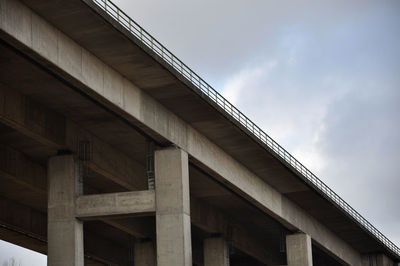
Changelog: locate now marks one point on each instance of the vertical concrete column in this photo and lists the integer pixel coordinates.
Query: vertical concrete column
(64, 232)
(298, 250)
(144, 254)
(174, 245)
(216, 252)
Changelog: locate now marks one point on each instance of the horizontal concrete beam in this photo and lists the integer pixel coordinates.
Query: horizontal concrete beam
(135, 203)
(137, 228)
(134, 105)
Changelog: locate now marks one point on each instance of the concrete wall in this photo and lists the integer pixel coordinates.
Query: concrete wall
(61, 54)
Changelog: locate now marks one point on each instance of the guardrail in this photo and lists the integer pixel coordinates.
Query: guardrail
(134, 28)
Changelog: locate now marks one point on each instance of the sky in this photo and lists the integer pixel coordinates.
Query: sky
(320, 77)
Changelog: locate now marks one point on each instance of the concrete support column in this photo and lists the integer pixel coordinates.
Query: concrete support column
(144, 254)
(174, 245)
(64, 232)
(298, 250)
(216, 252)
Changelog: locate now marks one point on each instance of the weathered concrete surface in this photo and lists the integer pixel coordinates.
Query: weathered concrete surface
(144, 254)
(65, 233)
(299, 250)
(115, 204)
(377, 260)
(172, 208)
(216, 252)
(125, 98)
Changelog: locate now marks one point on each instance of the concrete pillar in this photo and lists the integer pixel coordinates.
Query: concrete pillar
(144, 254)
(298, 250)
(216, 252)
(174, 245)
(64, 232)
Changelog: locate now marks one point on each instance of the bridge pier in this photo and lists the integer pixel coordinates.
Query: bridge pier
(64, 231)
(174, 245)
(216, 252)
(299, 250)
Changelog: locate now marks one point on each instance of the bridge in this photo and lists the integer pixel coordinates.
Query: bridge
(114, 152)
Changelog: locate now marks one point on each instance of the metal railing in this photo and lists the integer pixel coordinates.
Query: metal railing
(130, 25)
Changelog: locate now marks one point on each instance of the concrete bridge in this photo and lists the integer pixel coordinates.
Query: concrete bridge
(113, 152)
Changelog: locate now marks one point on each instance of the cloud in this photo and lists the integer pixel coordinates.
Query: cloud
(333, 101)
(237, 85)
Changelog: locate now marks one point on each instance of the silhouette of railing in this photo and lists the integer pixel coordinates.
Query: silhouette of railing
(134, 28)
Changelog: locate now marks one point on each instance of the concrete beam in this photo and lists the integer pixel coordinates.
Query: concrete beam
(216, 252)
(134, 203)
(65, 233)
(137, 228)
(174, 246)
(299, 250)
(16, 166)
(131, 103)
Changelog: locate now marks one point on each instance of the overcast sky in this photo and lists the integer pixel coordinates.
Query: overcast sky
(320, 77)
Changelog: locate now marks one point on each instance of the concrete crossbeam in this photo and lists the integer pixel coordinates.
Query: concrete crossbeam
(64, 232)
(134, 203)
(174, 245)
(137, 228)
(216, 252)
(299, 250)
